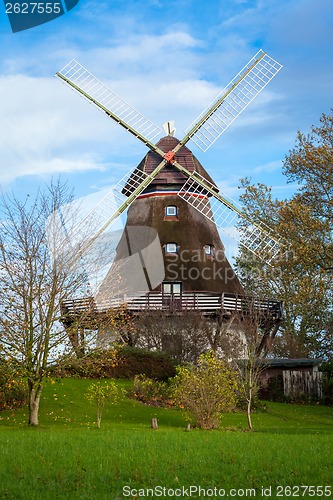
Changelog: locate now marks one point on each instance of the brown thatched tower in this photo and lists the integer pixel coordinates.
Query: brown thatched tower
(193, 254)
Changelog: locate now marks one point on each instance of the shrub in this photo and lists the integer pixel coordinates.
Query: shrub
(136, 361)
(206, 390)
(151, 391)
(99, 363)
(13, 389)
(328, 391)
(273, 389)
(118, 362)
(99, 394)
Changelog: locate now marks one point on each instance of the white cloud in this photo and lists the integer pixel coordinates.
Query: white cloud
(269, 167)
(45, 128)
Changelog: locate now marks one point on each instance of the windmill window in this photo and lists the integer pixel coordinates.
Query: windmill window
(171, 248)
(171, 287)
(208, 249)
(171, 212)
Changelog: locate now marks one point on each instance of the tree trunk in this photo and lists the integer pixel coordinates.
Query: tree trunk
(35, 391)
(154, 424)
(249, 419)
(76, 338)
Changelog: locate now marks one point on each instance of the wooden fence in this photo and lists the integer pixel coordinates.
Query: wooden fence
(309, 384)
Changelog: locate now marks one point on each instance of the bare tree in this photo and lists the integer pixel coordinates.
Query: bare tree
(34, 279)
(251, 366)
(180, 335)
(185, 335)
(248, 350)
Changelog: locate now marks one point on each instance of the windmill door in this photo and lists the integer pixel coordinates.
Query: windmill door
(172, 295)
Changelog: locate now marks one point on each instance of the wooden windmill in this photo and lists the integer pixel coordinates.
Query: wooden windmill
(171, 192)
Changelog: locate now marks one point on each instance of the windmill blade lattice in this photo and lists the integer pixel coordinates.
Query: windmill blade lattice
(99, 94)
(229, 104)
(257, 238)
(107, 209)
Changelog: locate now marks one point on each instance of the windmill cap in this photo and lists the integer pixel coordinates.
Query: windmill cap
(170, 176)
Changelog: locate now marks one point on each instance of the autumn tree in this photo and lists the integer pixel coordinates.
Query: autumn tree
(309, 164)
(302, 274)
(34, 279)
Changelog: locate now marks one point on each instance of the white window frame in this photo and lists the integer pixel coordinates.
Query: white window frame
(171, 288)
(208, 249)
(173, 249)
(173, 214)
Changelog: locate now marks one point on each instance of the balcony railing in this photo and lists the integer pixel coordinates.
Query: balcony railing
(207, 303)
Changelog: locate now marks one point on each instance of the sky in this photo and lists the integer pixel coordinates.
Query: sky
(168, 59)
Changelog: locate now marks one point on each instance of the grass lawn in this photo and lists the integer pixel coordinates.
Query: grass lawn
(67, 457)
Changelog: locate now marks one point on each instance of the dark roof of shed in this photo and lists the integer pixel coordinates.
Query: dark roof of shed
(290, 363)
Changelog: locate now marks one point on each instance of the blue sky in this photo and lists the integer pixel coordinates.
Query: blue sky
(169, 59)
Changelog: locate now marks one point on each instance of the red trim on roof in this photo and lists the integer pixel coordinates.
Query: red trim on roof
(169, 193)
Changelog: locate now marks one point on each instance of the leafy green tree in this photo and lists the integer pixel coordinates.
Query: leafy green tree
(205, 390)
(99, 394)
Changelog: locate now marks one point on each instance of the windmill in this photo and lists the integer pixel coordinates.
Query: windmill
(189, 181)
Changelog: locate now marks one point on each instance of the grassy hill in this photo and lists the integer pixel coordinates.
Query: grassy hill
(68, 457)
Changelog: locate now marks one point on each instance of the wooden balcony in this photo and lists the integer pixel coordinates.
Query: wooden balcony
(202, 302)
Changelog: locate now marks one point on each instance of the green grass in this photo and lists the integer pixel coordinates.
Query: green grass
(67, 457)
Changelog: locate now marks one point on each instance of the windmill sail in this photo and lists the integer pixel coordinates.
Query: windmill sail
(99, 94)
(106, 210)
(236, 96)
(258, 238)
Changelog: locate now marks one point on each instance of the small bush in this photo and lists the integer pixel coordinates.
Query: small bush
(99, 394)
(154, 364)
(99, 363)
(13, 389)
(257, 406)
(327, 369)
(328, 391)
(273, 389)
(119, 362)
(151, 391)
(206, 390)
